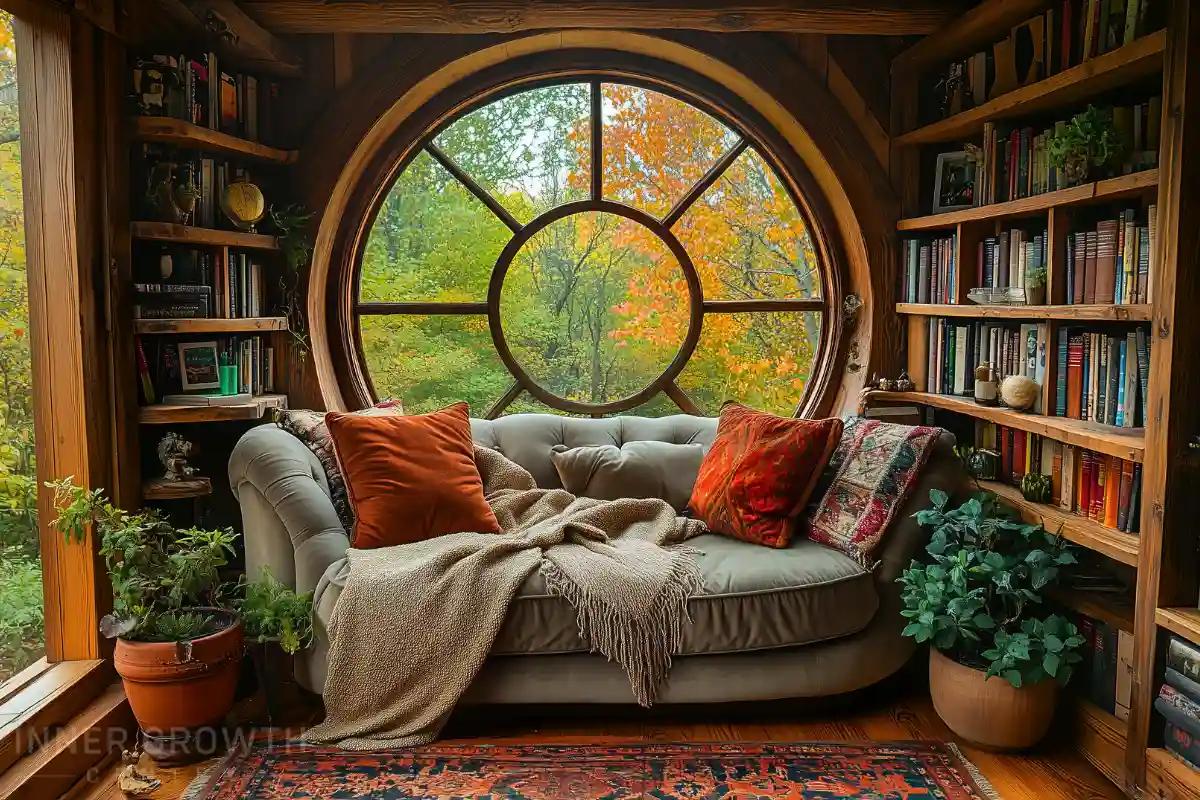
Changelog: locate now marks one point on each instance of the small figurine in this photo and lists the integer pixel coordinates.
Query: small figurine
(985, 385)
(885, 384)
(874, 382)
(174, 452)
(904, 383)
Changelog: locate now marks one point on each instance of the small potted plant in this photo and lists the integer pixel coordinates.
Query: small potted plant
(1036, 487)
(997, 659)
(1089, 141)
(278, 625)
(1035, 286)
(179, 644)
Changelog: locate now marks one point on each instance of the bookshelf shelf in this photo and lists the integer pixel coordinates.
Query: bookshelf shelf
(1126, 443)
(163, 414)
(244, 325)
(1110, 608)
(186, 234)
(1098, 192)
(197, 137)
(163, 489)
(1168, 777)
(1100, 737)
(976, 28)
(1183, 622)
(1140, 58)
(1087, 533)
(1088, 313)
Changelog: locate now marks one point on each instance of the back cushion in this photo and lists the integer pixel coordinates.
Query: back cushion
(636, 469)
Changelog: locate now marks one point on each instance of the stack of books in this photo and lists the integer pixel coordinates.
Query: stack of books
(1179, 701)
(159, 367)
(1105, 676)
(1006, 260)
(1113, 263)
(930, 273)
(216, 289)
(1103, 377)
(1099, 487)
(957, 347)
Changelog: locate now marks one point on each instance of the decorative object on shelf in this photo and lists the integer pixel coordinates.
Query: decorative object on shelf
(1018, 392)
(198, 366)
(1010, 296)
(873, 383)
(885, 384)
(979, 605)
(291, 225)
(904, 383)
(954, 182)
(986, 391)
(244, 205)
(1035, 487)
(980, 464)
(166, 264)
(171, 192)
(1035, 285)
(1089, 141)
(174, 452)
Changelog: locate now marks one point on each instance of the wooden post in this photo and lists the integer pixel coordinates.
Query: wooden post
(918, 349)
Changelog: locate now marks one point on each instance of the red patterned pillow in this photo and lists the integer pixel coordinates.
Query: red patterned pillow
(760, 472)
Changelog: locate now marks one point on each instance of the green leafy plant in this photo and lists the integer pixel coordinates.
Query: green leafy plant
(979, 600)
(21, 617)
(164, 580)
(1035, 487)
(291, 225)
(274, 612)
(1035, 277)
(1089, 140)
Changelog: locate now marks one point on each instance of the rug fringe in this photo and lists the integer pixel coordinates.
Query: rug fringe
(199, 785)
(984, 785)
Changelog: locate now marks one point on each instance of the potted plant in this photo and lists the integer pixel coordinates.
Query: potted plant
(278, 625)
(1090, 140)
(997, 660)
(1035, 286)
(179, 644)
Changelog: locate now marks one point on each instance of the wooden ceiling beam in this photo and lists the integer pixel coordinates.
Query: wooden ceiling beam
(235, 35)
(885, 17)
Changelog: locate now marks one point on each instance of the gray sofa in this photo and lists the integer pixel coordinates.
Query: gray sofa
(800, 622)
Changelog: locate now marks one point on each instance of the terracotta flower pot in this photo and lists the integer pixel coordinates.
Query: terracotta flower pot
(176, 688)
(990, 713)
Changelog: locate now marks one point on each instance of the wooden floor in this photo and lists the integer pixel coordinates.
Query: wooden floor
(1051, 773)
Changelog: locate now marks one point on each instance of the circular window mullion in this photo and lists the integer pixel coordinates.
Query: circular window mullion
(472, 186)
(705, 183)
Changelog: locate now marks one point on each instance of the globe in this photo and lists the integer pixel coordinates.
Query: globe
(244, 204)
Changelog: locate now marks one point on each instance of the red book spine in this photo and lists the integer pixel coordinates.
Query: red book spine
(1124, 494)
(1096, 511)
(1075, 376)
(1018, 467)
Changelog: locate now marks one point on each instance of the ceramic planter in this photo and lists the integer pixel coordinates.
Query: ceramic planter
(990, 713)
(1036, 296)
(178, 688)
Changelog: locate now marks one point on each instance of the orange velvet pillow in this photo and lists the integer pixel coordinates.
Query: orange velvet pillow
(410, 478)
(759, 474)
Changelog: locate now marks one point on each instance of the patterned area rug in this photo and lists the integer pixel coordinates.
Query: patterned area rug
(727, 771)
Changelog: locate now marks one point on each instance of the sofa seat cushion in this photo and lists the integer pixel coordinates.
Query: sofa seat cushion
(757, 598)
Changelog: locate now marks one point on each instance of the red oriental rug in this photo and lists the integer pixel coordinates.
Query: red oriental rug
(725, 771)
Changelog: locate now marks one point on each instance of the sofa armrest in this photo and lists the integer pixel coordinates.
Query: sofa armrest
(289, 521)
(906, 539)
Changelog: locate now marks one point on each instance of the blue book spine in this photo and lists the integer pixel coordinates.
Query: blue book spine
(1121, 387)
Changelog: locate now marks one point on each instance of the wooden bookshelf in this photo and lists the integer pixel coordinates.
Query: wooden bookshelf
(180, 326)
(1183, 622)
(189, 488)
(1082, 313)
(974, 30)
(1168, 778)
(164, 414)
(1140, 58)
(1100, 737)
(1103, 191)
(1109, 607)
(178, 133)
(1085, 532)
(186, 234)
(1126, 443)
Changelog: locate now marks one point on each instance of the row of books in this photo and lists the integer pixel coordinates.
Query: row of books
(207, 175)
(159, 365)
(1066, 34)
(1103, 377)
(1014, 162)
(223, 290)
(1105, 676)
(1114, 262)
(930, 273)
(197, 90)
(957, 347)
(1099, 487)
(1179, 701)
(1008, 260)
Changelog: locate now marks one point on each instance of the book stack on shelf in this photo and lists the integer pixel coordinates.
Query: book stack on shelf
(1105, 676)
(930, 272)
(1179, 701)
(1113, 263)
(1007, 260)
(218, 289)
(168, 368)
(957, 346)
(1103, 378)
(1103, 488)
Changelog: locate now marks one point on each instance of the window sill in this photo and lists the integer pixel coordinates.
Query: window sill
(43, 697)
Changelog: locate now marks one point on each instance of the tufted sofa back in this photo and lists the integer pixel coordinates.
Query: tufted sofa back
(527, 439)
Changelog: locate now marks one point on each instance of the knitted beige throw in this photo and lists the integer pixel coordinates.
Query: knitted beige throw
(415, 622)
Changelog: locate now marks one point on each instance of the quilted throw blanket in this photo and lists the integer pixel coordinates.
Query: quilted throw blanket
(415, 622)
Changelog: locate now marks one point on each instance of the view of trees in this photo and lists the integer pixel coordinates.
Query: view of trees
(594, 306)
(21, 636)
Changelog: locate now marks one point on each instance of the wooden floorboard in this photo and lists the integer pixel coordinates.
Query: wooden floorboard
(1052, 772)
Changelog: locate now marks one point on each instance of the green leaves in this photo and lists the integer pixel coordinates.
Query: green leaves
(273, 612)
(978, 598)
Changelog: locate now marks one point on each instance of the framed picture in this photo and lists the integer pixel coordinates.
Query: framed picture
(954, 182)
(198, 366)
